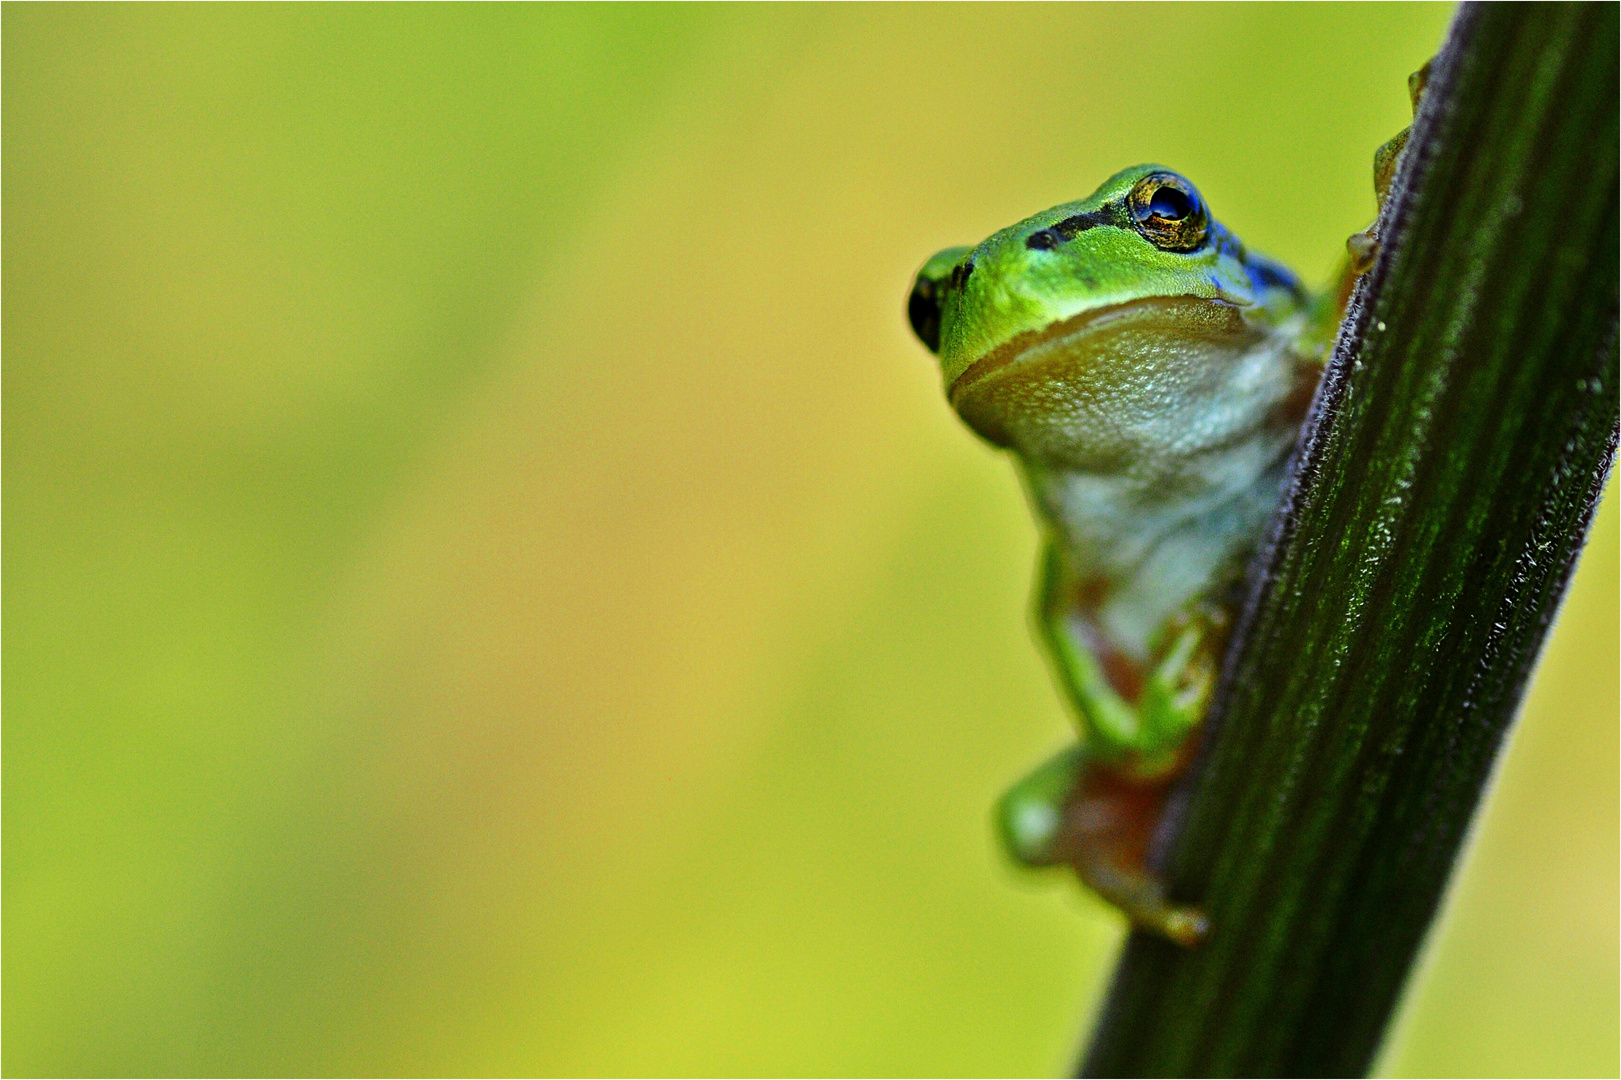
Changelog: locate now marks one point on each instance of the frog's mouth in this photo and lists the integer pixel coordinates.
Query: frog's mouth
(1095, 361)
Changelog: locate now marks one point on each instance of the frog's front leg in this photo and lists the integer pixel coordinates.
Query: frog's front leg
(1137, 716)
(1095, 806)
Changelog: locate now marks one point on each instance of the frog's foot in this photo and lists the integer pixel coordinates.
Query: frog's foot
(1142, 897)
(1079, 813)
(1363, 247)
(1363, 250)
(1388, 156)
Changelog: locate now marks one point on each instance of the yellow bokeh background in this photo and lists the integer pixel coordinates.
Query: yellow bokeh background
(492, 586)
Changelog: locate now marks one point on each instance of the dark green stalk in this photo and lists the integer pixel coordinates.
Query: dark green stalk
(1443, 489)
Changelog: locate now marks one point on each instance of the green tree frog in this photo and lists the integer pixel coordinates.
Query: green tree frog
(1149, 374)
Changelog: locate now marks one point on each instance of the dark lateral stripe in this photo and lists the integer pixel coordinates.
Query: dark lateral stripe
(1111, 215)
(1071, 227)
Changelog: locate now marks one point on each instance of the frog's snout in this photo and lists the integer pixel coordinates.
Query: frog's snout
(945, 272)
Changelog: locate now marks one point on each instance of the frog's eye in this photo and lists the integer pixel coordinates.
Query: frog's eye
(1167, 210)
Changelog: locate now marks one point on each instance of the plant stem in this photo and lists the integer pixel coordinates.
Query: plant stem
(1443, 488)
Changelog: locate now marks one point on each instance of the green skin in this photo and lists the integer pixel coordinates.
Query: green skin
(1149, 376)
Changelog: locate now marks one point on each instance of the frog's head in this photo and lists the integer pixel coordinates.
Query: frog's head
(1092, 304)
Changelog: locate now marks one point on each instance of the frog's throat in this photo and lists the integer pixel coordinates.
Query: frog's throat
(1214, 317)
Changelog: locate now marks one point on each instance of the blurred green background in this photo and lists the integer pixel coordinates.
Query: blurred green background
(493, 586)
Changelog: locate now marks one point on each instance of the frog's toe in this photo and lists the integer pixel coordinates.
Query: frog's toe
(1029, 830)
(1184, 925)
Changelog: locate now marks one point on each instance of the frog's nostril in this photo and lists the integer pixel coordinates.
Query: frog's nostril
(1043, 240)
(923, 311)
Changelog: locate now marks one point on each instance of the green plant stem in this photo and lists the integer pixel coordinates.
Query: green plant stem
(1443, 489)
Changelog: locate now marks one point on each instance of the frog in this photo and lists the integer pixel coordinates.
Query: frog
(1149, 375)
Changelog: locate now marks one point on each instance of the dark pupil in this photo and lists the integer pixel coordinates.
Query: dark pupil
(1170, 204)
